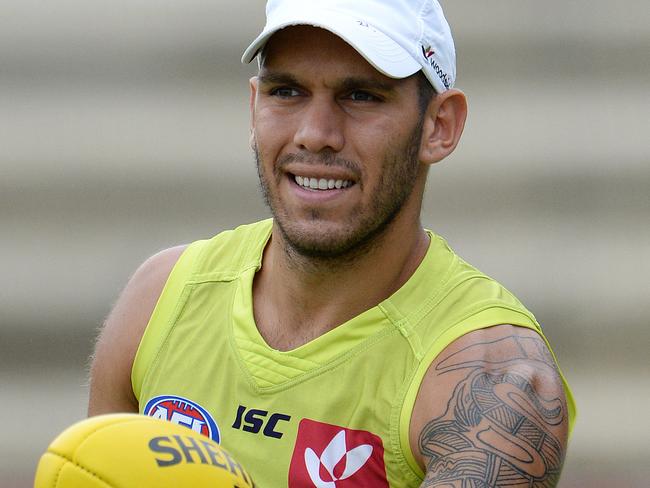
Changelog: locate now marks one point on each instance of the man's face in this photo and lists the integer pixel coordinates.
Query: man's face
(336, 143)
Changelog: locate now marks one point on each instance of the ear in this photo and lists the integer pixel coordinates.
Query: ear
(253, 82)
(443, 125)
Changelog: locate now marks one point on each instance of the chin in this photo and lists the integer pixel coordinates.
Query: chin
(325, 240)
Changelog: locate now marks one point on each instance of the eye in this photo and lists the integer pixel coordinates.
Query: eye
(362, 96)
(284, 92)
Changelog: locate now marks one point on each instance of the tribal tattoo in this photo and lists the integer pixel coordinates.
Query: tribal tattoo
(496, 430)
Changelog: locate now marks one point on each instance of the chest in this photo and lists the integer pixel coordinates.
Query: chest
(325, 413)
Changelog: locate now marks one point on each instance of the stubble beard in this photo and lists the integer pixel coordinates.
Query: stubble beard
(367, 225)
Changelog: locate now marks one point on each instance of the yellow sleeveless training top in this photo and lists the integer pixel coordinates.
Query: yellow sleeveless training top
(333, 413)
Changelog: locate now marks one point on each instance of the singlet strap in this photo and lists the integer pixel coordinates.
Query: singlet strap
(163, 314)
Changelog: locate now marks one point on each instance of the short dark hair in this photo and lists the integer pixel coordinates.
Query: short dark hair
(426, 92)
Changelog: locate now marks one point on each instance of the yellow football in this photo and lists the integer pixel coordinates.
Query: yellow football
(135, 451)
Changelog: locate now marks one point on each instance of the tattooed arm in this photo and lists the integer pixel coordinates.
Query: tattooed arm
(491, 412)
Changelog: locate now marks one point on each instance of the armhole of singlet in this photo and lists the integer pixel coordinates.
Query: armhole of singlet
(156, 329)
(486, 318)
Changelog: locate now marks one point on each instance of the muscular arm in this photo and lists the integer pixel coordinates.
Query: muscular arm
(491, 412)
(110, 373)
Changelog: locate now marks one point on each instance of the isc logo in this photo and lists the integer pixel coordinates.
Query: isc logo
(254, 420)
(181, 411)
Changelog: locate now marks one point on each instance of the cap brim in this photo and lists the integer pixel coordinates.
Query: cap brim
(382, 52)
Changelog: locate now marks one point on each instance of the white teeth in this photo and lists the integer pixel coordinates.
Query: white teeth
(322, 183)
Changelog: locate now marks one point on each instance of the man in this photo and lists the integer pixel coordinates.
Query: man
(340, 344)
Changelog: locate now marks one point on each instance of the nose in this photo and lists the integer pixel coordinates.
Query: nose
(320, 127)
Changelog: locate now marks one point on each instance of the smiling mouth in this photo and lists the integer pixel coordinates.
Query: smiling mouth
(321, 183)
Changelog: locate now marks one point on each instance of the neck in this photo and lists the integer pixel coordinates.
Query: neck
(318, 294)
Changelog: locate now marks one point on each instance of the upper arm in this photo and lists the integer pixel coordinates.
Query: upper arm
(491, 411)
(110, 373)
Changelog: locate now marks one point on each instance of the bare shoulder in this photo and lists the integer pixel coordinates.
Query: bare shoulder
(491, 411)
(110, 374)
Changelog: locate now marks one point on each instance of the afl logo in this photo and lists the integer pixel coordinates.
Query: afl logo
(181, 411)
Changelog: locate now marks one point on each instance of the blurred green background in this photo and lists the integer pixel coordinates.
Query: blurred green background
(123, 130)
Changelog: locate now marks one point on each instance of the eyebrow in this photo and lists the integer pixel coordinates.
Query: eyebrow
(357, 82)
(347, 84)
(278, 79)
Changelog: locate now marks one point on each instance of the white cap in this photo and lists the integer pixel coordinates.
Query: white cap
(397, 37)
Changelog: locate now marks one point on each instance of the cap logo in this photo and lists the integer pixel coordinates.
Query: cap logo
(366, 24)
(428, 54)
